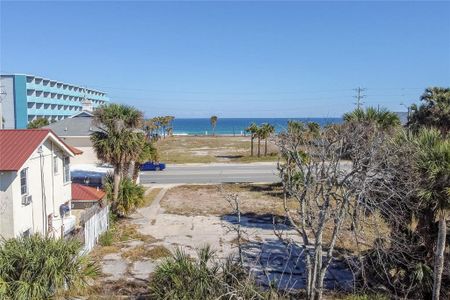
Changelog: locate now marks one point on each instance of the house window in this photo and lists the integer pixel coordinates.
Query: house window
(66, 168)
(55, 164)
(24, 181)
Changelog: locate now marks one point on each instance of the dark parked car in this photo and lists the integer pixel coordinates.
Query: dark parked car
(153, 166)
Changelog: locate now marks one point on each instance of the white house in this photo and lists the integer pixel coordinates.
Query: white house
(35, 186)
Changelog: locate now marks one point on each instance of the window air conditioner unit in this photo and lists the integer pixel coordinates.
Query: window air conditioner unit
(26, 199)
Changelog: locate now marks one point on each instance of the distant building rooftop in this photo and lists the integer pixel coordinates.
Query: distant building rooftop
(79, 125)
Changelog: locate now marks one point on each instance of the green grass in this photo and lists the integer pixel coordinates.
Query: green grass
(121, 232)
(149, 197)
(145, 252)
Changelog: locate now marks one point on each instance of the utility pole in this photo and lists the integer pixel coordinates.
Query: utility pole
(408, 108)
(359, 96)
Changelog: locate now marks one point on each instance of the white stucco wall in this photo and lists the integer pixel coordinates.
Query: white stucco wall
(84, 144)
(7, 185)
(47, 189)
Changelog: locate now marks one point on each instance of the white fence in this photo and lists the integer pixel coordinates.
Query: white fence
(94, 227)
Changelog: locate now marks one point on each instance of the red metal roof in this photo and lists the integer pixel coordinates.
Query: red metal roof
(76, 151)
(17, 145)
(83, 192)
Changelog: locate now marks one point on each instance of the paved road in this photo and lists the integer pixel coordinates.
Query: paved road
(212, 173)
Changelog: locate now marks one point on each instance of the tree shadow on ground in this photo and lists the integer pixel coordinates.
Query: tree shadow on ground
(281, 265)
(262, 221)
(275, 262)
(273, 189)
(229, 156)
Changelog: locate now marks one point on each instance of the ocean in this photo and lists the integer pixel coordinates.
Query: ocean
(236, 126)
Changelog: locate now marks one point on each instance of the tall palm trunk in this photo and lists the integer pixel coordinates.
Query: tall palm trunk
(136, 169)
(131, 168)
(251, 145)
(127, 169)
(439, 256)
(265, 147)
(117, 175)
(259, 147)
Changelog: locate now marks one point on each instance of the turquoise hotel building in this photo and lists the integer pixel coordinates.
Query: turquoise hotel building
(27, 97)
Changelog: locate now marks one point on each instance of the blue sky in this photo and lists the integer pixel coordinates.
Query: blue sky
(234, 59)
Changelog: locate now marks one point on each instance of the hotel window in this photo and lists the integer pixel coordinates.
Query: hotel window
(66, 169)
(24, 182)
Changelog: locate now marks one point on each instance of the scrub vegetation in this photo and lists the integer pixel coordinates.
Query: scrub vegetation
(210, 149)
(39, 267)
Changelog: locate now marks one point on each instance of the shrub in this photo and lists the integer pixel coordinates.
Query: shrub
(131, 195)
(106, 238)
(181, 277)
(38, 267)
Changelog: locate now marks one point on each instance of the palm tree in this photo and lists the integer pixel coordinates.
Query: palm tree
(313, 127)
(434, 110)
(252, 129)
(380, 117)
(164, 122)
(213, 121)
(151, 127)
(434, 164)
(295, 128)
(266, 131)
(148, 152)
(170, 125)
(118, 116)
(117, 141)
(259, 134)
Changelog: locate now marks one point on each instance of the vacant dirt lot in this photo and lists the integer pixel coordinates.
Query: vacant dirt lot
(192, 216)
(259, 201)
(205, 149)
(193, 200)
